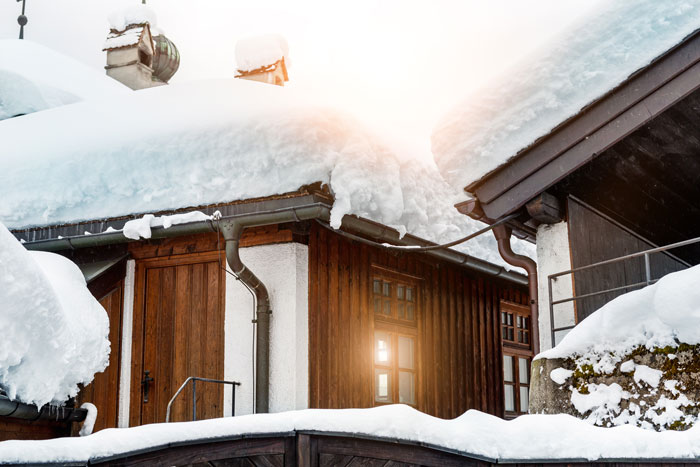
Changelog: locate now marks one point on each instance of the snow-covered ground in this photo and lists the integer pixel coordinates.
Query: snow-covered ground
(55, 334)
(194, 144)
(34, 77)
(613, 41)
(538, 437)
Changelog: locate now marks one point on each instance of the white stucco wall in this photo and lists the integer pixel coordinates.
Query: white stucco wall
(284, 271)
(553, 255)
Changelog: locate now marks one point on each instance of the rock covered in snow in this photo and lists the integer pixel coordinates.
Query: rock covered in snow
(253, 53)
(616, 39)
(55, 334)
(635, 361)
(195, 144)
(33, 78)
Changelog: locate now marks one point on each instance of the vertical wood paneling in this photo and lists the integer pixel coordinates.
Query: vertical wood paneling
(460, 360)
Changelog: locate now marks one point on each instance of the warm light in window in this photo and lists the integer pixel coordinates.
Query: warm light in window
(382, 351)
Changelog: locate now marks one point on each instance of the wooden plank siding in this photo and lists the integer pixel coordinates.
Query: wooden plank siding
(459, 356)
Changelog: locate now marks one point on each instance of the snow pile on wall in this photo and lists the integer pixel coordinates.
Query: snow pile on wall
(615, 40)
(533, 437)
(135, 14)
(195, 144)
(257, 52)
(54, 331)
(131, 36)
(634, 361)
(33, 78)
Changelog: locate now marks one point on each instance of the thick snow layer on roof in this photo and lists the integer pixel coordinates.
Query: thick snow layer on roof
(54, 331)
(663, 314)
(122, 39)
(135, 14)
(619, 37)
(33, 78)
(261, 51)
(537, 437)
(212, 142)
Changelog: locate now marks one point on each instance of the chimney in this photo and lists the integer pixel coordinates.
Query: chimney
(263, 58)
(134, 57)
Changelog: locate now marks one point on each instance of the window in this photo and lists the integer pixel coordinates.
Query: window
(517, 356)
(395, 304)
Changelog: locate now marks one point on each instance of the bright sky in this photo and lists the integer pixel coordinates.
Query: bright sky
(398, 65)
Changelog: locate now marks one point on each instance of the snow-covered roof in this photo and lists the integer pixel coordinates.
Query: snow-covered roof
(616, 39)
(134, 14)
(664, 314)
(118, 39)
(33, 78)
(213, 142)
(55, 334)
(529, 437)
(253, 53)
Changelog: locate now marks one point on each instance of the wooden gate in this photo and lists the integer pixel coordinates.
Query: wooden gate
(178, 332)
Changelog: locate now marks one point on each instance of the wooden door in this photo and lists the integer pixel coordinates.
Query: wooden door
(104, 389)
(178, 332)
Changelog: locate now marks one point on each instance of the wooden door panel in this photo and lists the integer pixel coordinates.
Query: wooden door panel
(182, 335)
(104, 388)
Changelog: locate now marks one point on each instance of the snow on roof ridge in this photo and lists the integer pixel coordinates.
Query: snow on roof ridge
(582, 64)
(134, 14)
(256, 52)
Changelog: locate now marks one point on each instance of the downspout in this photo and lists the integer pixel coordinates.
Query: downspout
(232, 235)
(502, 234)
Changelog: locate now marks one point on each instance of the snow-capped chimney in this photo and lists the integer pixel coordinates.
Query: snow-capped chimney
(263, 58)
(135, 57)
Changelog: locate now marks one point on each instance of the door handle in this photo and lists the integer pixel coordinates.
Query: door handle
(146, 383)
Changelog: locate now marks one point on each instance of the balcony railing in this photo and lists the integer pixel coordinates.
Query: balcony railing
(648, 280)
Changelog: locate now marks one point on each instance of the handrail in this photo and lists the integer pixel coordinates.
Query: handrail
(647, 276)
(194, 380)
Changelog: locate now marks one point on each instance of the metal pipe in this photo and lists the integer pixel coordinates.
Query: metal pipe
(502, 234)
(232, 229)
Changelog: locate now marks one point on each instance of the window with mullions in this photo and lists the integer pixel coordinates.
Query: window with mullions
(395, 304)
(517, 356)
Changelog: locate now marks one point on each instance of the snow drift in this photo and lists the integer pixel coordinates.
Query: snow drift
(188, 145)
(55, 334)
(663, 314)
(616, 39)
(533, 437)
(33, 78)
(257, 52)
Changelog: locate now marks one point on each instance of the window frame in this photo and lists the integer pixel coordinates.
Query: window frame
(396, 327)
(515, 350)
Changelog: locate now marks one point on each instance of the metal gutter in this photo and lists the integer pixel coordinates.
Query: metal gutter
(30, 412)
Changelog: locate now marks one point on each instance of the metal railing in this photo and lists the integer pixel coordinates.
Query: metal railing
(647, 280)
(193, 380)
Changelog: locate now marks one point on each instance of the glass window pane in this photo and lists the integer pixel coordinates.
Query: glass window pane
(509, 398)
(382, 347)
(503, 317)
(409, 294)
(520, 321)
(399, 292)
(406, 352)
(507, 368)
(525, 325)
(510, 334)
(377, 305)
(382, 385)
(407, 388)
(409, 312)
(510, 319)
(524, 402)
(377, 288)
(527, 339)
(387, 308)
(523, 370)
(386, 291)
(402, 313)
(520, 336)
